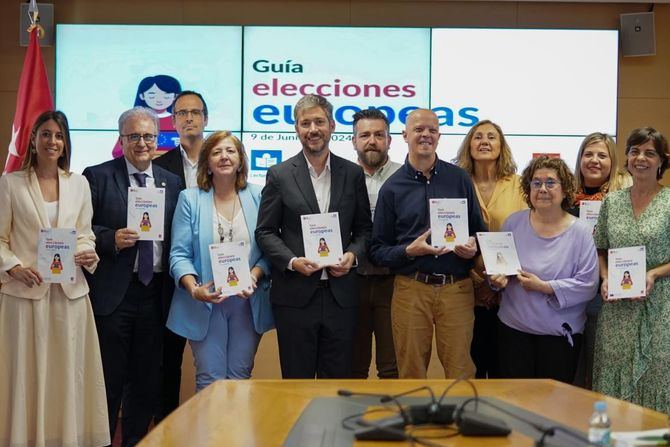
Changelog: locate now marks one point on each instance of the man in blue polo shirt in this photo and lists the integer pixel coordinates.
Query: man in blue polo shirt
(432, 291)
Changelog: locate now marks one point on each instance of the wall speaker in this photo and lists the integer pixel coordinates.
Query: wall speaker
(637, 34)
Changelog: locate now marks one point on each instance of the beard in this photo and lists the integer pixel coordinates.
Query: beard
(372, 159)
(314, 149)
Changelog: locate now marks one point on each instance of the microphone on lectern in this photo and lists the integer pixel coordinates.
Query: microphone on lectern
(386, 429)
(471, 423)
(432, 413)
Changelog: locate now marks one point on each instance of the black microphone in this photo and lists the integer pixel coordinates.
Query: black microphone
(471, 423)
(382, 398)
(433, 413)
(475, 425)
(386, 429)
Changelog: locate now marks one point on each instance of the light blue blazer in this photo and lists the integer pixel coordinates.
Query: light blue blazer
(192, 233)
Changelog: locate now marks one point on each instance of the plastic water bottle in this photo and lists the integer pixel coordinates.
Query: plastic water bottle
(600, 425)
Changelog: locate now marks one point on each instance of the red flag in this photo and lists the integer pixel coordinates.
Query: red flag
(33, 98)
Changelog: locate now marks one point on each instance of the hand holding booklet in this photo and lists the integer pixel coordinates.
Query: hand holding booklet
(230, 267)
(448, 222)
(626, 272)
(146, 211)
(55, 255)
(499, 253)
(322, 239)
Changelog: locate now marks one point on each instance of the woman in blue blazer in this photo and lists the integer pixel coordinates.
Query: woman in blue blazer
(223, 331)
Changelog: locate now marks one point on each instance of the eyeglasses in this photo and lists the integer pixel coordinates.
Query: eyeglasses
(135, 137)
(196, 113)
(549, 184)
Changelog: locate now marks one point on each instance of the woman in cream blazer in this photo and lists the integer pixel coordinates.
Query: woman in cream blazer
(51, 379)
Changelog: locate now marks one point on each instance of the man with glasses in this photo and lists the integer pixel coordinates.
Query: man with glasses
(189, 118)
(131, 288)
(432, 290)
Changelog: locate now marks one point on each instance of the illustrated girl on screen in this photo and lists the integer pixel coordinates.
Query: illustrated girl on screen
(145, 224)
(232, 277)
(158, 93)
(627, 281)
(449, 233)
(323, 249)
(56, 265)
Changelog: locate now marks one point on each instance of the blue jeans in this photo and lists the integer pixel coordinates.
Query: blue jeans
(229, 348)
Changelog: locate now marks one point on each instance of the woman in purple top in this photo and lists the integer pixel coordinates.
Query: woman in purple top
(543, 308)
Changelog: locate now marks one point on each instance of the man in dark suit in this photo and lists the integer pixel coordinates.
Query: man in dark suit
(315, 309)
(189, 117)
(131, 289)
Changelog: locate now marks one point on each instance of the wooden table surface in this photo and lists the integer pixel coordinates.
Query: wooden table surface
(261, 413)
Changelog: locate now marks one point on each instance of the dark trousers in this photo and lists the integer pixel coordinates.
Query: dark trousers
(173, 355)
(529, 356)
(374, 316)
(484, 348)
(316, 340)
(130, 343)
(584, 374)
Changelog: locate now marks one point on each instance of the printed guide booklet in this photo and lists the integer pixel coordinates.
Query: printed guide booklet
(230, 267)
(499, 252)
(55, 255)
(626, 272)
(146, 211)
(322, 238)
(589, 211)
(448, 222)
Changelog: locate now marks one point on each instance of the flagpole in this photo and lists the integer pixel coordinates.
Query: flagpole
(33, 96)
(34, 16)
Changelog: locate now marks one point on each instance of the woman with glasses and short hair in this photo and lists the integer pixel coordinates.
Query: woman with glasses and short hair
(543, 307)
(632, 352)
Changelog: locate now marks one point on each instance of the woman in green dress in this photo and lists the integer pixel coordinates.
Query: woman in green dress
(632, 352)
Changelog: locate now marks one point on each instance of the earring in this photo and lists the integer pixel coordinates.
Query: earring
(239, 169)
(209, 171)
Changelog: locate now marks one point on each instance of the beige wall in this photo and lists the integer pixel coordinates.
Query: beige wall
(644, 83)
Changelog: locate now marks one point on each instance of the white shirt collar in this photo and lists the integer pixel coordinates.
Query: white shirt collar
(184, 155)
(132, 169)
(311, 169)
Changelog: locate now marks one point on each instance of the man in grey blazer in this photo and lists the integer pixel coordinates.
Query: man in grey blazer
(315, 309)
